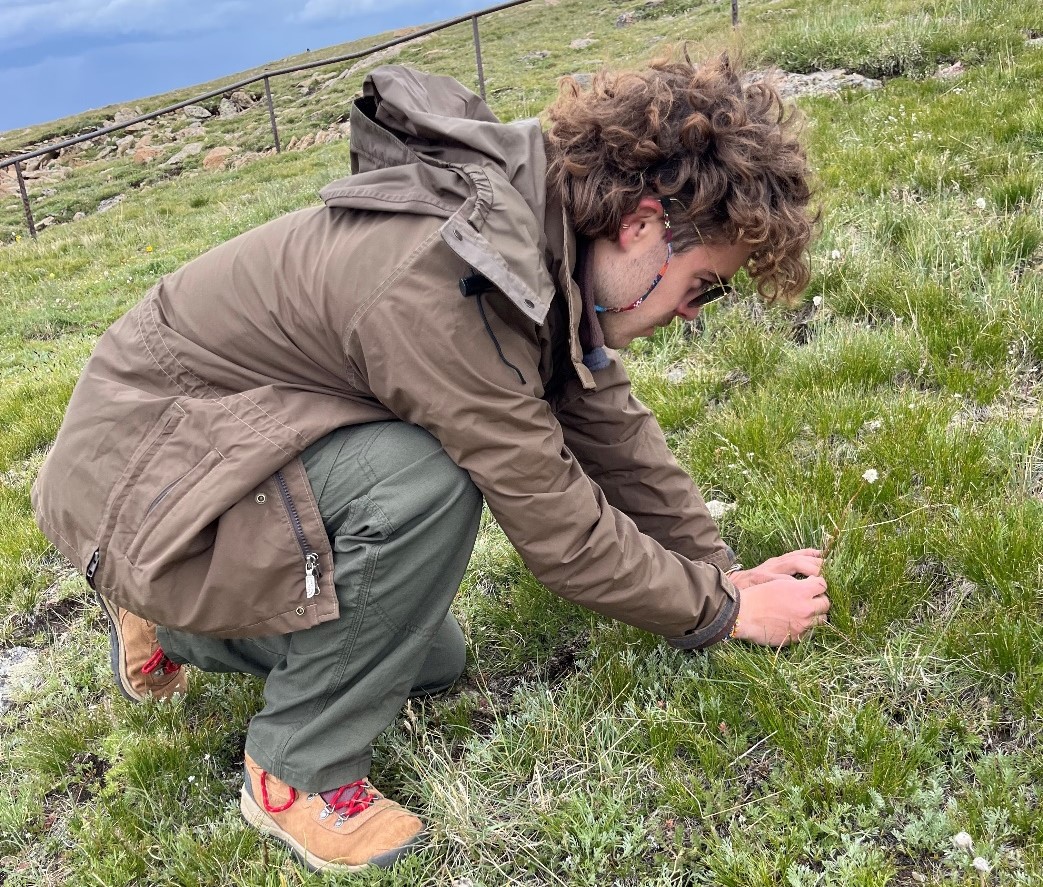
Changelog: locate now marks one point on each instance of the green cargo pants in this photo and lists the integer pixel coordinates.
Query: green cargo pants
(402, 519)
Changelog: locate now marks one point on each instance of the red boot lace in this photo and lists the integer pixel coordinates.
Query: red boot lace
(360, 799)
(160, 662)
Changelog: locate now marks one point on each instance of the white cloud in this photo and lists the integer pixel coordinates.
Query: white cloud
(23, 24)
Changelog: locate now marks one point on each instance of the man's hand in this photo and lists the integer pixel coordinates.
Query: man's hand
(781, 611)
(805, 562)
(777, 607)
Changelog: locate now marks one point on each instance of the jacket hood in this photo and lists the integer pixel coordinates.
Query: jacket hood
(425, 144)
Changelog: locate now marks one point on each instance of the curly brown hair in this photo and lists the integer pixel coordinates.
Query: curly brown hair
(724, 148)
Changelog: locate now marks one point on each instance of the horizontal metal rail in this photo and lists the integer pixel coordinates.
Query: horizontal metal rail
(239, 84)
(266, 76)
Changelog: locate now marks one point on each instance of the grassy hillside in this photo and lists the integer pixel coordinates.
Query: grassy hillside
(581, 751)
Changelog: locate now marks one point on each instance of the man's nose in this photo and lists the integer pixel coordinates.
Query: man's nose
(688, 311)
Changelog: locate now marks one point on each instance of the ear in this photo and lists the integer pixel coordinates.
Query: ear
(637, 226)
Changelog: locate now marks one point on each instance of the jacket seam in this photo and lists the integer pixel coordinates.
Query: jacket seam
(212, 394)
(389, 281)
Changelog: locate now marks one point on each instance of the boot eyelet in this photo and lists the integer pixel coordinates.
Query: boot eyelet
(261, 499)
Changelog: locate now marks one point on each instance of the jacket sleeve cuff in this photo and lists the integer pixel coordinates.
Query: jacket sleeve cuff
(716, 631)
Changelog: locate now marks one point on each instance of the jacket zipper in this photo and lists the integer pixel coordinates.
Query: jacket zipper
(311, 559)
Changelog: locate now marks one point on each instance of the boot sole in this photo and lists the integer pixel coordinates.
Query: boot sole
(261, 821)
(115, 645)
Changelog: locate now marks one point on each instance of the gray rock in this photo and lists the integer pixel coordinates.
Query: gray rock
(190, 150)
(625, 18)
(78, 216)
(19, 672)
(106, 205)
(46, 223)
(535, 55)
(196, 112)
(582, 43)
(125, 144)
(125, 115)
(816, 83)
(719, 509)
(1034, 41)
(949, 72)
(584, 80)
(227, 108)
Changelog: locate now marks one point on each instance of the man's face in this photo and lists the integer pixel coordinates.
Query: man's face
(624, 269)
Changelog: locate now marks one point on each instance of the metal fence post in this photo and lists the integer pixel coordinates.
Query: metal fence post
(735, 13)
(478, 55)
(25, 200)
(271, 114)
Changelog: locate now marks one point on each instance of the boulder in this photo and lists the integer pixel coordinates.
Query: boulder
(216, 158)
(125, 144)
(227, 108)
(146, 154)
(190, 150)
(125, 115)
(196, 112)
(241, 99)
(194, 130)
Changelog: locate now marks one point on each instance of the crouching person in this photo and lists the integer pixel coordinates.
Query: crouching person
(275, 463)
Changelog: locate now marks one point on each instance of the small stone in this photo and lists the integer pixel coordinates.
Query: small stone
(78, 216)
(624, 19)
(46, 223)
(584, 81)
(535, 55)
(196, 112)
(719, 509)
(20, 669)
(949, 72)
(582, 43)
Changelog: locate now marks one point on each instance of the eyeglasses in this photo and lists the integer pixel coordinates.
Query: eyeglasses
(712, 293)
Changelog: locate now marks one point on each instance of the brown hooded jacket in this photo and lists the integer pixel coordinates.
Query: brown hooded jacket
(435, 287)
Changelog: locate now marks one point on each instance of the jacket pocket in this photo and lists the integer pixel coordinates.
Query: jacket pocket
(161, 531)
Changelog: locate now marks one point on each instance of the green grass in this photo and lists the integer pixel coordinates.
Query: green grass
(580, 751)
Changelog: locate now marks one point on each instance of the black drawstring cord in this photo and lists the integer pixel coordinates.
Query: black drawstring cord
(474, 284)
(492, 335)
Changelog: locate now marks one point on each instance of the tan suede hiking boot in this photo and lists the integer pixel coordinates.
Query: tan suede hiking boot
(140, 666)
(345, 830)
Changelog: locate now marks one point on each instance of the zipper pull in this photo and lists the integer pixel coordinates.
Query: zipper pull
(92, 567)
(311, 575)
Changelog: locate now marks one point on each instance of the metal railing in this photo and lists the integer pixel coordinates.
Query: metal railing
(266, 76)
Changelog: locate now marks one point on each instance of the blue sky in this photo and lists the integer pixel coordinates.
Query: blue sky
(61, 57)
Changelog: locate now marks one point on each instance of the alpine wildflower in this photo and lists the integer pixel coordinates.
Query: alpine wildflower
(870, 475)
(963, 841)
(982, 864)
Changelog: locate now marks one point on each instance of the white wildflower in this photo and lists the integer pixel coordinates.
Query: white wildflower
(817, 301)
(870, 475)
(191, 779)
(982, 864)
(980, 203)
(836, 255)
(963, 841)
